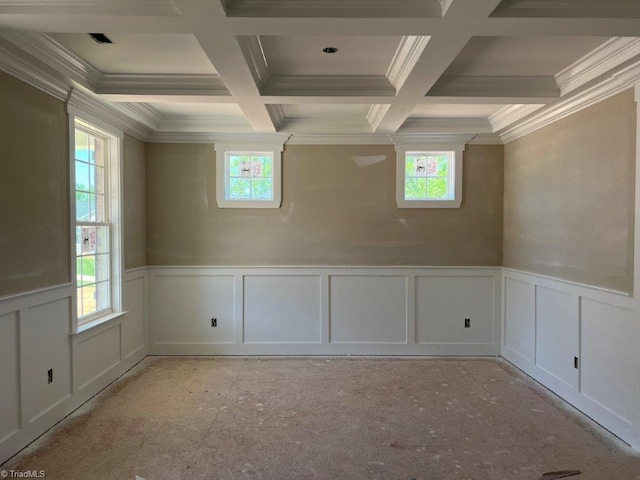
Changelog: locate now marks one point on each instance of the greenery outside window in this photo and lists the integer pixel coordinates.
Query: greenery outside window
(95, 186)
(429, 176)
(248, 178)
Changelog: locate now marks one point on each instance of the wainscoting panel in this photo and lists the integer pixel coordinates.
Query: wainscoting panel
(9, 374)
(586, 345)
(557, 326)
(323, 310)
(45, 345)
(183, 307)
(282, 309)
(519, 309)
(368, 309)
(36, 336)
(444, 304)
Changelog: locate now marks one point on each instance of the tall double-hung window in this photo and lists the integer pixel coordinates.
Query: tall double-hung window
(95, 170)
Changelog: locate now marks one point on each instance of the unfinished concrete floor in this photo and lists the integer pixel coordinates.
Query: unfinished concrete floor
(328, 418)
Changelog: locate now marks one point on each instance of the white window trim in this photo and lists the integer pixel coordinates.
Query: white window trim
(115, 137)
(402, 150)
(222, 171)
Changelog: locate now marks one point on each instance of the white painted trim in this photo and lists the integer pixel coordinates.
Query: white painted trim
(486, 139)
(276, 112)
(511, 114)
(617, 83)
(222, 173)
(376, 114)
(544, 87)
(625, 428)
(328, 85)
(253, 52)
(407, 55)
(603, 59)
(455, 180)
(13, 61)
(193, 124)
(156, 84)
(422, 126)
(338, 139)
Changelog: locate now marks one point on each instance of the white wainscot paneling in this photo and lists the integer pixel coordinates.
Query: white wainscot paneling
(45, 344)
(133, 325)
(443, 304)
(609, 362)
(9, 375)
(557, 326)
(282, 309)
(368, 309)
(95, 353)
(519, 322)
(183, 306)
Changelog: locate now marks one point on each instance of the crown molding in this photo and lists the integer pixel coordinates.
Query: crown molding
(329, 126)
(276, 112)
(567, 8)
(156, 84)
(89, 103)
(511, 114)
(328, 85)
(405, 58)
(336, 8)
(77, 7)
(340, 139)
(45, 49)
(177, 124)
(431, 138)
(248, 139)
(253, 52)
(376, 114)
(445, 125)
(496, 86)
(486, 139)
(617, 83)
(143, 113)
(13, 62)
(603, 59)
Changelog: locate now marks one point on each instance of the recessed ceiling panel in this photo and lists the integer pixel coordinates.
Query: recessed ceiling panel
(198, 109)
(517, 56)
(140, 54)
(568, 8)
(340, 111)
(303, 55)
(455, 111)
(334, 8)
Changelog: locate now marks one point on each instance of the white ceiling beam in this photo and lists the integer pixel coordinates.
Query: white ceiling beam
(496, 86)
(561, 27)
(226, 54)
(328, 85)
(60, 23)
(440, 51)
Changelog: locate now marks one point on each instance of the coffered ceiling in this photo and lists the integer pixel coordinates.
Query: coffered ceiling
(182, 68)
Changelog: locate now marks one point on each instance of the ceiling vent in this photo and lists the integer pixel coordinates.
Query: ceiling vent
(100, 38)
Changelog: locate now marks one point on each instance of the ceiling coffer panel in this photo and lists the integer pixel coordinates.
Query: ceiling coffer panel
(568, 8)
(337, 8)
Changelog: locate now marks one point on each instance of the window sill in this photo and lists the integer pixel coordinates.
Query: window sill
(85, 327)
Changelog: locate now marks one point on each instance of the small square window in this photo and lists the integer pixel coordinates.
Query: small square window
(248, 178)
(429, 177)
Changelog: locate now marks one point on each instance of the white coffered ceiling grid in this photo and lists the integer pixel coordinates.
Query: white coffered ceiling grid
(257, 66)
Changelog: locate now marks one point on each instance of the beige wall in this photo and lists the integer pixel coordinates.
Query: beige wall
(134, 198)
(34, 189)
(338, 208)
(569, 197)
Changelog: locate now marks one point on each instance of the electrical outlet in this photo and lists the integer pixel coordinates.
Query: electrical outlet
(214, 322)
(467, 323)
(50, 375)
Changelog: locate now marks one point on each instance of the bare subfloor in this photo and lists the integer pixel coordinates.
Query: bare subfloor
(327, 418)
